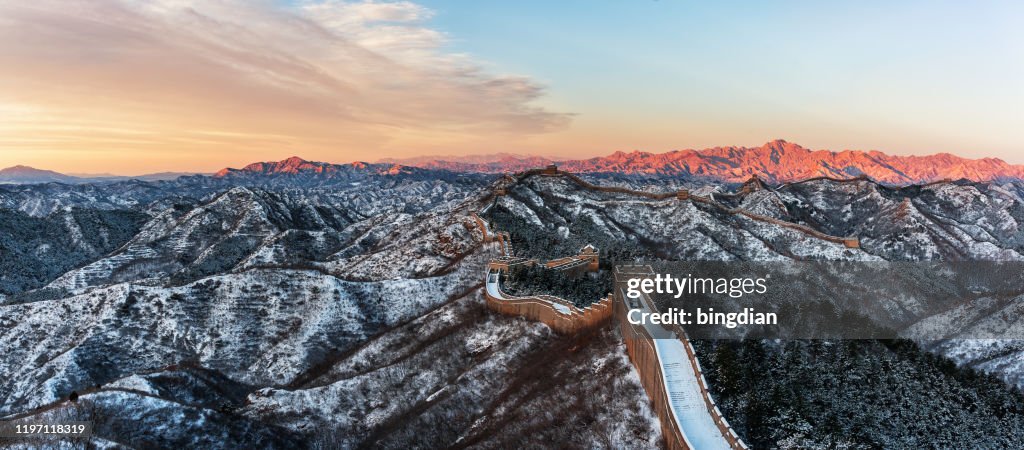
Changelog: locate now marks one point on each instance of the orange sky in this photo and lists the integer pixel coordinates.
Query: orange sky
(179, 85)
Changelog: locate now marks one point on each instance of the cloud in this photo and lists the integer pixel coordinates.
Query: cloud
(340, 14)
(316, 74)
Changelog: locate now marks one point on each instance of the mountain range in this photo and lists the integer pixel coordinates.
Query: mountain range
(775, 162)
(300, 304)
(298, 167)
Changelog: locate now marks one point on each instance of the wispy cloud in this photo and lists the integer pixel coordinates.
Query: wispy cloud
(317, 74)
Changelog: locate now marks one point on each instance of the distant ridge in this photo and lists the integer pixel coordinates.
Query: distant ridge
(777, 161)
(30, 175)
(477, 159)
(296, 166)
(159, 176)
(26, 174)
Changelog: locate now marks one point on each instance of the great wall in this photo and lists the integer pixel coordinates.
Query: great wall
(662, 355)
(559, 314)
(848, 241)
(671, 374)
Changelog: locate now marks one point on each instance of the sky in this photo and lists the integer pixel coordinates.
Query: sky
(130, 87)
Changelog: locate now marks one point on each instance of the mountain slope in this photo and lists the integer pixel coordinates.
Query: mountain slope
(344, 295)
(34, 251)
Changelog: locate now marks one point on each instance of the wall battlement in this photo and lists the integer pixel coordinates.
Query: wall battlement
(507, 263)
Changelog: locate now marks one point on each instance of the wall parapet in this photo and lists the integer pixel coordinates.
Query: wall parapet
(482, 226)
(641, 352)
(716, 414)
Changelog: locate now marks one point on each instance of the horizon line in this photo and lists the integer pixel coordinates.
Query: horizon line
(454, 158)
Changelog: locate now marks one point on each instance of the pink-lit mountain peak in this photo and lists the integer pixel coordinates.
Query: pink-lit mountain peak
(291, 166)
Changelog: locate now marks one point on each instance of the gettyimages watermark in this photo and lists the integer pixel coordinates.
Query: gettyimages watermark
(826, 300)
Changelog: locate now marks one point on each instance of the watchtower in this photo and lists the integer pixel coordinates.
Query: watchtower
(551, 169)
(752, 184)
(590, 253)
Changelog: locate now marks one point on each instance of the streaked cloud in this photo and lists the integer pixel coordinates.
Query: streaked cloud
(222, 75)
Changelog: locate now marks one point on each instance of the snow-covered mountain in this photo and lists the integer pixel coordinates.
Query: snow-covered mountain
(336, 306)
(231, 307)
(949, 220)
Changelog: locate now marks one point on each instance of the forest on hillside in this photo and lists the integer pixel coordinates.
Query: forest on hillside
(532, 241)
(581, 291)
(857, 394)
(35, 250)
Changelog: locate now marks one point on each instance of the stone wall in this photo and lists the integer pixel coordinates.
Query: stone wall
(507, 263)
(850, 242)
(561, 315)
(482, 226)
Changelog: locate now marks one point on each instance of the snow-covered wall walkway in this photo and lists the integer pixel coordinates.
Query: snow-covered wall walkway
(685, 397)
(672, 377)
